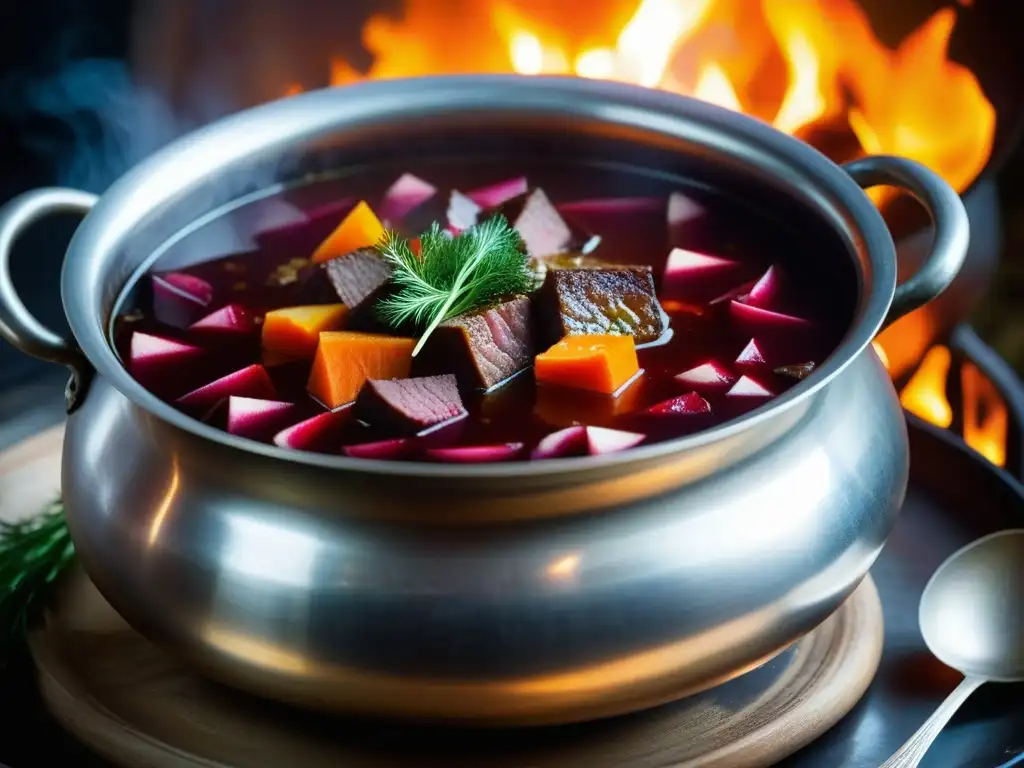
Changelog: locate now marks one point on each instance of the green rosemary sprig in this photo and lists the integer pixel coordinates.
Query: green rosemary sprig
(453, 274)
(33, 555)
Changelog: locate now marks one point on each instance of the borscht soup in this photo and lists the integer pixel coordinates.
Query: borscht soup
(484, 316)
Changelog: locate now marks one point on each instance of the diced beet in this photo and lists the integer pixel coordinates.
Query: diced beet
(476, 454)
(159, 364)
(541, 226)
(682, 210)
(768, 292)
(747, 387)
(616, 300)
(494, 195)
(685, 405)
(800, 371)
(783, 339)
(740, 292)
(179, 299)
(258, 419)
(407, 193)
(407, 406)
(751, 356)
(483, 348)
(250, 382)
(692, 276)
(381, 449)
(230, 321)
(755, 319)
(571, 441)
(194, 286)
(319, 433)
(708, 376)
(463, 213)
(603, 206)
(601, 440)
(361, 279)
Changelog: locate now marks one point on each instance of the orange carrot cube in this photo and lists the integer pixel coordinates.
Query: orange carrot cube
(295, 331)
(345, 360)
(359, 229)
(598, 363)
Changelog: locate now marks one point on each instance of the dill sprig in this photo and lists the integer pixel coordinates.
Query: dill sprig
(453, 274)
(33, 555)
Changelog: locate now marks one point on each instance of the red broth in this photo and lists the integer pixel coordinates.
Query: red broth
(509, 421)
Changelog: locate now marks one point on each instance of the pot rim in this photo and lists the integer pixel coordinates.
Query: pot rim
(183, 164)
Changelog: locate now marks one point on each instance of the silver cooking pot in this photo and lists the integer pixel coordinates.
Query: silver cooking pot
(512, 593)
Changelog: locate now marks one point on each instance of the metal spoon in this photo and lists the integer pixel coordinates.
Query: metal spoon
(972, 619)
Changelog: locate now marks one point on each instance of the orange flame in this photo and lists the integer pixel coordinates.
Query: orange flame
(794, 63)
(986, 420)
(797, 64)
(985, 417)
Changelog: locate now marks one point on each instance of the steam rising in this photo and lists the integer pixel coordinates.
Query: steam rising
(106, 123)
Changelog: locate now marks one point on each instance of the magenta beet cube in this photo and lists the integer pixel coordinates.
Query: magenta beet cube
(748, 387)
(180, 299)
(250, 382)
(571, 441)
(230, 321)
(494, 195)
(258, 419)
(318, 433)
(683, 212)
(751, 356)
(602, 440)
(162, 365)
(769, 291)
(709, 376)
(696, 277)
(476, 454)
(685, 405)
(382, 449)
(406, 194)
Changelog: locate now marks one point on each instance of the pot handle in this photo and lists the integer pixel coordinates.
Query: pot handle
(947, 212)
(17, 325)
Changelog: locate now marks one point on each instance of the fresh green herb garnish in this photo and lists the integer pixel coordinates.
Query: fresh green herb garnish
(33, 554)
(453, 275)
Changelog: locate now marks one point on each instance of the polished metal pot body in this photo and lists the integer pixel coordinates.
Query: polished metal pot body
(518, 593)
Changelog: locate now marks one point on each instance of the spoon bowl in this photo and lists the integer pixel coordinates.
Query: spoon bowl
(972, 619)
(972, 609)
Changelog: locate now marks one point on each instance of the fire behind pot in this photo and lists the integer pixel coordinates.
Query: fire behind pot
(924, 79)
(932, 80)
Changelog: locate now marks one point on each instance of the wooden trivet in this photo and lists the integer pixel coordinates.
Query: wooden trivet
(136, 705)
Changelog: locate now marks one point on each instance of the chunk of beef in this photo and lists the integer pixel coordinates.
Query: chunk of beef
(407, 406)
(483, 348)
(361, 279)
(596, 300)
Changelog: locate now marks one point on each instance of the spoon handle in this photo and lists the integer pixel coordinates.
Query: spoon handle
(913, 751)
